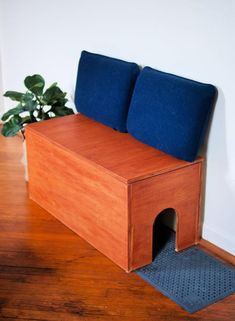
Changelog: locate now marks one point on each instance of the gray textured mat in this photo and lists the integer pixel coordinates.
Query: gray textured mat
(191, 278)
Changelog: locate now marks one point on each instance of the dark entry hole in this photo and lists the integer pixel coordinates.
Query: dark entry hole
(162, 227)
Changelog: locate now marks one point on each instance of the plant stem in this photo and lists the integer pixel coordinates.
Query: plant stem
(41, 112)
(22, 132)
(39, 101)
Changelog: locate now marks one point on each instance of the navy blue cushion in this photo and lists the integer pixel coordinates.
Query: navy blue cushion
(104, 89)
(170, 113)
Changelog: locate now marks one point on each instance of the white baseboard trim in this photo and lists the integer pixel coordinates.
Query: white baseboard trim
(225, 242)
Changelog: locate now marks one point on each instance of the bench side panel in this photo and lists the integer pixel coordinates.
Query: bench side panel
(180, 190)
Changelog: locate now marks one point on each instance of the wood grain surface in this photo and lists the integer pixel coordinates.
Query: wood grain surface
(86, 199)
(119, 154)
(179, 189)
(70, 176)
(48, 273)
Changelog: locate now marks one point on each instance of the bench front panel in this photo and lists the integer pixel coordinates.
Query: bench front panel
(81, 195)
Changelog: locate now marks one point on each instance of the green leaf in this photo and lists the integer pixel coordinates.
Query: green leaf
(29, 102)
(10, 130)
(12, 127)
(13, 95)
(35, 84)
(26, 120)
(61, 111)
(60, 102)
(13, 111)
(27, 96)
(52, 95)
(53, 85)
(31, 105)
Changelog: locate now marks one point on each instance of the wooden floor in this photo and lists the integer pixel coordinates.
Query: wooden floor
(49, 273)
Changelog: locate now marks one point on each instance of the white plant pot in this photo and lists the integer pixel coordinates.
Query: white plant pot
(24, 160)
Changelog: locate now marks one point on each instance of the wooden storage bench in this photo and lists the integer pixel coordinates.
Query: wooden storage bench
(108, 187)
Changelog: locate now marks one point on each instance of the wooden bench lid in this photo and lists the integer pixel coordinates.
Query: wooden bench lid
(119, 153)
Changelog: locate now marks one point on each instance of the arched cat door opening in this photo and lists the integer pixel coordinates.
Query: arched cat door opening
(164, 222)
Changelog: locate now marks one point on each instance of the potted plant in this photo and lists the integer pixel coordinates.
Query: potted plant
(36, 104)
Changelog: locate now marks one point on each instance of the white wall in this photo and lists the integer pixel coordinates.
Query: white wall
(1, 79)
(1, 89)
(192, 38)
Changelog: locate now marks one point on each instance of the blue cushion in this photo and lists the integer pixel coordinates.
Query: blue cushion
(170, 113)
(104, 89)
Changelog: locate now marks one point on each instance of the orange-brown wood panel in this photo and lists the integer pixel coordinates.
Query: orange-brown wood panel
(103, 185)
(119, 154)
(179, 189)
(83, 197)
